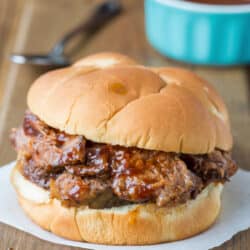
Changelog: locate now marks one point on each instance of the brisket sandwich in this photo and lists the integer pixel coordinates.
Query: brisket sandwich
(113, 152)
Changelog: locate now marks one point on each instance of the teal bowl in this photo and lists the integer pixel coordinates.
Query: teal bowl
(199, 33)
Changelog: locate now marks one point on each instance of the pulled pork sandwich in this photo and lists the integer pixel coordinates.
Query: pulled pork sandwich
(114, 152)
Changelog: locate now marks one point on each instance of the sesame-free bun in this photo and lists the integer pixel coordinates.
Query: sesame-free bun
(109, 98)
(133, 224)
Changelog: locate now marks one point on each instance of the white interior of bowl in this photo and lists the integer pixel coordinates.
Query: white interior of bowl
(208, 8)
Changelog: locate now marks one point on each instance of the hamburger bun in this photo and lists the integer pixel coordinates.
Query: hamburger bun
(125, 225)
(108, 98)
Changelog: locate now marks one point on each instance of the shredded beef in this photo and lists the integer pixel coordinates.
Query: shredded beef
(73, 188)
(97, 162)
(40, 175)
(142, 175)
(47, 146)
(216, 166)
(80, 172)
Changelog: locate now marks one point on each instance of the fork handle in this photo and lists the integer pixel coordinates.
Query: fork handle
(101, 16)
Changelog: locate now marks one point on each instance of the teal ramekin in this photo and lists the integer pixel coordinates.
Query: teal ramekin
(199, 33)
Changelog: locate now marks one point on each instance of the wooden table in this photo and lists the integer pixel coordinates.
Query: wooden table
(34, 25)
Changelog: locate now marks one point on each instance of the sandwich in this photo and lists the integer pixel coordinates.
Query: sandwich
(114, 152)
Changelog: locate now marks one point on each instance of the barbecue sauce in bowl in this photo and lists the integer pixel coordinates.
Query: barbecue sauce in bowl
(226, 2)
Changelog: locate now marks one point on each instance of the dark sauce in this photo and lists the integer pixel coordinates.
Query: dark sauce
(226, 2)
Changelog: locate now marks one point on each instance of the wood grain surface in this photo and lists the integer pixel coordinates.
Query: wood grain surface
(35, 25)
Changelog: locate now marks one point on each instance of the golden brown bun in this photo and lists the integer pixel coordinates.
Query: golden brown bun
(135, 224)
(104, 59)
(109, 98)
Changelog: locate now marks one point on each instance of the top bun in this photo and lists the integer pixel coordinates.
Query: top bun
(109, 98)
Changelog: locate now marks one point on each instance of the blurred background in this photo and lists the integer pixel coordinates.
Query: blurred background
(34, 26)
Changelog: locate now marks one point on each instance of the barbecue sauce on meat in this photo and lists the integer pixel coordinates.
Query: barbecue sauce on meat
(78, 171)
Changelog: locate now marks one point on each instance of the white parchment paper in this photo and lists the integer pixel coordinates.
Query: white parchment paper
(235, 217)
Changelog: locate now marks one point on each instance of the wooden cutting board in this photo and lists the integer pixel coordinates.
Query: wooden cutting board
(35, 25)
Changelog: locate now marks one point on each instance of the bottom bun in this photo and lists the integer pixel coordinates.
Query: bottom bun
(125, 225)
